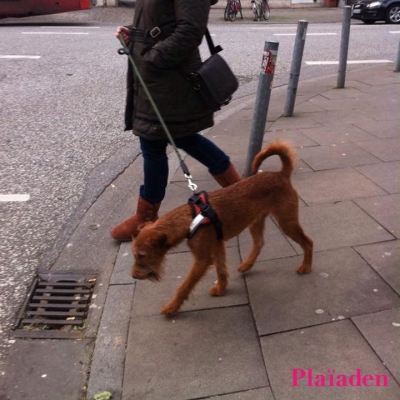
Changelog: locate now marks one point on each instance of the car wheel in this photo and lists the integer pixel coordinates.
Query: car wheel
(393, 14)
(368, 21)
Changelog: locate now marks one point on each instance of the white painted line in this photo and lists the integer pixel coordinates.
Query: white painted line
(348, 62)
(55, 33)
(394, 31)
(14, 197)
(308, 34)
(70, 27)
(273, 27)
(322, 33)
(16, 57)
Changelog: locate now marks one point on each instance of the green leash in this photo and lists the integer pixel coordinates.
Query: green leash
(125, 50)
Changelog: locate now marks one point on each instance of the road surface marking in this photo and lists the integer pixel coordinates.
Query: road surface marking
(55, 33)
(394, 31)
(70, 27)
(308, 34)
(272, 27)
(16, 57)
(14, 197)
(348, 62)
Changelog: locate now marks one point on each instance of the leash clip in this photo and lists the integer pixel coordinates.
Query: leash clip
(191, 184)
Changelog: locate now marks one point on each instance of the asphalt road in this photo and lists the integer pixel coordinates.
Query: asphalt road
(61, 113)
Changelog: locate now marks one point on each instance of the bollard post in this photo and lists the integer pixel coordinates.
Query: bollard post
(397, 68)
(262, 102)
(344, 47)
(296, 67)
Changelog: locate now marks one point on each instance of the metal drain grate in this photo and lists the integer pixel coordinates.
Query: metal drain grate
(56, 307)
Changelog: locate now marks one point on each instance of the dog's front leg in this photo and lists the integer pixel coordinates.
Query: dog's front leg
(257, 233)
(196, 272)
(219, 258)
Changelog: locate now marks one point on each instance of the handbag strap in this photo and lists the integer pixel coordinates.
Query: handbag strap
(213, 49)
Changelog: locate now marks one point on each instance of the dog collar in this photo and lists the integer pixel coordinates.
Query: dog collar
(203, 214)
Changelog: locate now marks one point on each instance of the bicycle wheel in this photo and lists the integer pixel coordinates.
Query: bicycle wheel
(255, 11)
(226, 12)
(265, 10)
(240, 10)
(232, 13)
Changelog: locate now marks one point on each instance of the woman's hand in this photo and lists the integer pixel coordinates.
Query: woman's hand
(124, 32)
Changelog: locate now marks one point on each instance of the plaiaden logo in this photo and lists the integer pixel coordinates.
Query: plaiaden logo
(331, 378)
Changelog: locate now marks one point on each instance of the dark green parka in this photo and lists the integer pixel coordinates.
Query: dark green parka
(164, 67)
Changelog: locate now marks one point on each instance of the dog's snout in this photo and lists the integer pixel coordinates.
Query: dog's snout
(137, 275)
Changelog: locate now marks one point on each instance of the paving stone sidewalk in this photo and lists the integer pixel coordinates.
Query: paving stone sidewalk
(273, 324)
(334, 333)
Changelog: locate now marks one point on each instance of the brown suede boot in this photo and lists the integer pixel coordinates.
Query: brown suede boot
(128, 229)
(228, 177)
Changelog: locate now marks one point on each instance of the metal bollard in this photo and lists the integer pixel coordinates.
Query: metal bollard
(344, 47)
(262, 102)
(397, 68)
(296, 67)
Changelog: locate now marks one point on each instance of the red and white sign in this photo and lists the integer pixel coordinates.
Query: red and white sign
(268, 61)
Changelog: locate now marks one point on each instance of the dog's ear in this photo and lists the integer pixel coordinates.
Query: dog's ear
(155, 238)
(161, 239)
(141, 226)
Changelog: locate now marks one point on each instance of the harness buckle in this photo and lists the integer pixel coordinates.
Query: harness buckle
(195, 224)
(203, 214)
(155, 32)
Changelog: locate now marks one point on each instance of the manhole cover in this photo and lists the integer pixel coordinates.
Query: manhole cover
(56, 307)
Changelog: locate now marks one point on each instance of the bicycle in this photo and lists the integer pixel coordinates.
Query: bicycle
(231, 10)
(260, 9)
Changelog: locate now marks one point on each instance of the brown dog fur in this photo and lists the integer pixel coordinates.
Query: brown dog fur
(245, 204)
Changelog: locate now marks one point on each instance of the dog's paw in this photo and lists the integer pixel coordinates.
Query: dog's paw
(170, 309)
(244, 267)
(301, 269)
(217, 290)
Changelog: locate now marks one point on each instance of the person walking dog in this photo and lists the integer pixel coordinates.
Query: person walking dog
(164, 42)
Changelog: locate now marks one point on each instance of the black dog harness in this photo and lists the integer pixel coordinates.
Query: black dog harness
(203, 214)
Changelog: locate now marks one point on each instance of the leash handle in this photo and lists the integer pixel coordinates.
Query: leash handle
(125, 50)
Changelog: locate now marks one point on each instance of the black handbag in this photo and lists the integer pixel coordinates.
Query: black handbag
(214, 80)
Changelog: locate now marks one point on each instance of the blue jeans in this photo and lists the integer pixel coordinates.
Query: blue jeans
(156, 162)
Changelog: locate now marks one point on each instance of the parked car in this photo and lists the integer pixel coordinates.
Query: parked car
(370, 11)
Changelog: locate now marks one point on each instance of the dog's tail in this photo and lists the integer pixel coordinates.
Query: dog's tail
(281, 149)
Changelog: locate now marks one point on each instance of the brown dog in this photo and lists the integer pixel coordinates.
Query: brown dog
(245, 204)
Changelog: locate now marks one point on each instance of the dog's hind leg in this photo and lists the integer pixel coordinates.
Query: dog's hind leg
(257, 233)
(219, 258)
(291, 227)
(198, 269)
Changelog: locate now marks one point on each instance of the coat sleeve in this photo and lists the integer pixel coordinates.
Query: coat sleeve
(191, 23)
